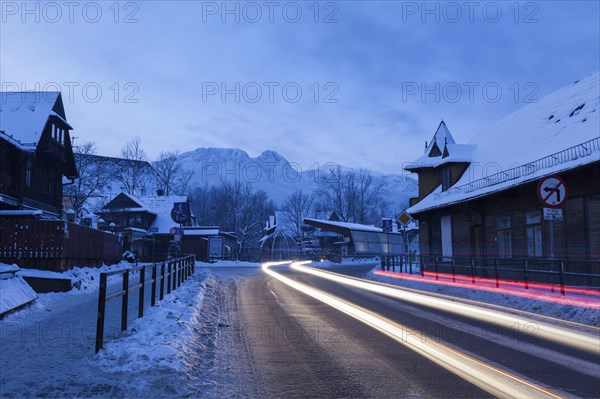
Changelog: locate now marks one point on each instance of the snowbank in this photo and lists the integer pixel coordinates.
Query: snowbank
(228, 263)
(14, 291)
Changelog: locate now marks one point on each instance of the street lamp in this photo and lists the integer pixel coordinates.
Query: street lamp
(70, 214)
(101, 224)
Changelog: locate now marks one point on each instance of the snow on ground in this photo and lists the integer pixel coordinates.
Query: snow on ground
(14, 292)
(228, 263)
(560, 311)
(47, 349)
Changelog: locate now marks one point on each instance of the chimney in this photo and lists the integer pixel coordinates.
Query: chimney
(160, 192)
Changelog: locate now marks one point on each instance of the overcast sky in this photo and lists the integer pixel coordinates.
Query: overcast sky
(359, 83)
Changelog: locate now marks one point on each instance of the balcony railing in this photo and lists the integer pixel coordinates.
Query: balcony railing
(579, 151)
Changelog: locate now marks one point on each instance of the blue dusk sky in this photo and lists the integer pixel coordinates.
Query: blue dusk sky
(360, 83)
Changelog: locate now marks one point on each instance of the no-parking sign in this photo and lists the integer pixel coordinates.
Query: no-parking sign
(552, 192)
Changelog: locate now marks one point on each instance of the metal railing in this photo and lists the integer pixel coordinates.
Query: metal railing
(172, 272)
(559, 272)
(570, 154)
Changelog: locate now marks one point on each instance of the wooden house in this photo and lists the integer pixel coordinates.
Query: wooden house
(479, 203)
(35, 153)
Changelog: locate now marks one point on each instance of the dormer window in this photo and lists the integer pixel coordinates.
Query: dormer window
(446, 178)
(58, 134)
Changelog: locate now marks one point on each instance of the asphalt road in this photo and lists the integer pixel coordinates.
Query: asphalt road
(301, 347)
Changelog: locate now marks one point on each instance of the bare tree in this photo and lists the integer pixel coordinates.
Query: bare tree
(172, 176)
(133, 174)
(354, 196)
(93, 176)
(234, 207)
(297, 207)
(369, 196)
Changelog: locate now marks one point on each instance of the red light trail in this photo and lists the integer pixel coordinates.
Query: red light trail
(587, 298)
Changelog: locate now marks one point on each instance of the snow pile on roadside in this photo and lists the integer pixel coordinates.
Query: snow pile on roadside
(14, 291)
(170, 343)
(346, 262)
(228, 263)
(560, 311)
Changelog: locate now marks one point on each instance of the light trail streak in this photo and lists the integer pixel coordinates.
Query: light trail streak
(564, 336)
(491, 379)
(534, 293)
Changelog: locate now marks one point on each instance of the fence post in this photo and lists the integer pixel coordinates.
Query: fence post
(496, 272)
(437, 271)
(561, 277)
(141, 297)
(180, 279)
(525, 274)
(153, 294)
(410, 263)
(169, 279)
(472, 270)
(453, 269)
(125, 300)
(422, 265)
(101, 310)
(162, 281)
(175, 264)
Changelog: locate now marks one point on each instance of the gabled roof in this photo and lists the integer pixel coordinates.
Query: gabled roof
(442, 149)
(343, 228)
(23, 116)
(556, 134)
(162, 206)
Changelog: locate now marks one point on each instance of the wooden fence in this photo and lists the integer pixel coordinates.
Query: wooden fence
(56, 245)
(165, 276)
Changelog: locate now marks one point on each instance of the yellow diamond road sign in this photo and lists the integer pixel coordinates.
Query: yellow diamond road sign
(404, 218)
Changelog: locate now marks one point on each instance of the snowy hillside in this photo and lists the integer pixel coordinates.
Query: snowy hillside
(274, 174)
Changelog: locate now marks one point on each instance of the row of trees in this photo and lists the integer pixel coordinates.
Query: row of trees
(235, 207)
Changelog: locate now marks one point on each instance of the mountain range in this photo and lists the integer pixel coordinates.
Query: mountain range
(277, 176)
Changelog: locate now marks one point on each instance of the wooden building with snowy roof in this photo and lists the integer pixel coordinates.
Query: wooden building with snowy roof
(479, 205)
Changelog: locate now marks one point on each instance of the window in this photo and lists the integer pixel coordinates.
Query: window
(28, 173)
(446, 178)
(533, 220)
(504, 237)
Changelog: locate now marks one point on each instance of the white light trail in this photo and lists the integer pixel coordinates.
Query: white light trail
(564, 336)
(491, 379)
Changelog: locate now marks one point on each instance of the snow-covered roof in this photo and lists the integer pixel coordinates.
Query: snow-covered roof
(23, 116)
(447, 150)
(162, 206)
(343, 225)
(558, 133)
(201, 232)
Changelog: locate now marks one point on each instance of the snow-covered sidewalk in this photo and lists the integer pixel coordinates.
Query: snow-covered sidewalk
(47, 349)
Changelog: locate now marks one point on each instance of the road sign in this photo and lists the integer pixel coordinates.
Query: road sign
(386, 225)
(215, 247)
(553, 214)
(404, 218)
(180, 212)
(552, 192)
(176, 230)
(152, 229)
